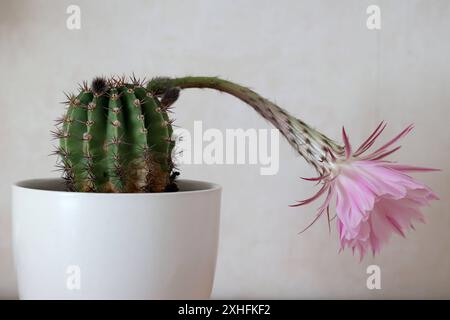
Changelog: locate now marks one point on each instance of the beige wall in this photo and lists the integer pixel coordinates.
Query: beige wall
(315, 58)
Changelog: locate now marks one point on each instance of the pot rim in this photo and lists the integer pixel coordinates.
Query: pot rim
(52, 184)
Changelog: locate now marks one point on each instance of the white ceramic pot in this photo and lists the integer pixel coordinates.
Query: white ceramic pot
(70, 245)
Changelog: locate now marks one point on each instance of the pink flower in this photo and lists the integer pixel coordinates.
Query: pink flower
(374, 197)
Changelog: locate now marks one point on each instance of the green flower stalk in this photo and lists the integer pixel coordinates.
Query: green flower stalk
(315, 147)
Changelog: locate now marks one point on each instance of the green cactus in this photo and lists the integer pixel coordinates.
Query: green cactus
(117, 137)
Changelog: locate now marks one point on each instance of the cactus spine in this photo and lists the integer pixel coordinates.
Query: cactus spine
(117, 137)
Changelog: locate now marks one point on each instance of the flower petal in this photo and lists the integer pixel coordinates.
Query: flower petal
(392, 141)
(348, 147)
(369, 142)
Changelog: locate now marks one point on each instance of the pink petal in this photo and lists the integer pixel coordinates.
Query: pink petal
(348, 147)
(407, 168)
(369, 142)
(395, 139)
(322, 208)
(316, 178)
(385, 154)
(396, 225)
(314, 197)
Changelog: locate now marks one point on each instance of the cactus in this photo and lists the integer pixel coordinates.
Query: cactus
(116, 136)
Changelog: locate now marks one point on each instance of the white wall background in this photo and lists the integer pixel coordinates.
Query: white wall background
(315, 58)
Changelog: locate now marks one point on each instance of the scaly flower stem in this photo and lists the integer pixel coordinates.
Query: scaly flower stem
(314, 146)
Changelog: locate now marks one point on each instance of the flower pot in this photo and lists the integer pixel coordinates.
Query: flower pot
(72, 245)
